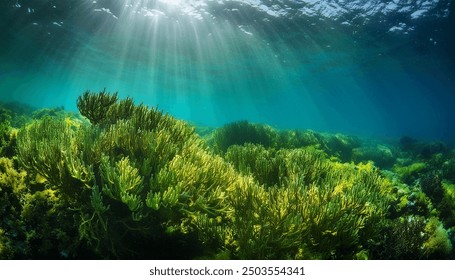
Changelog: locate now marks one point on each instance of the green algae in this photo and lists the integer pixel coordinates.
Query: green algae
(133, 182)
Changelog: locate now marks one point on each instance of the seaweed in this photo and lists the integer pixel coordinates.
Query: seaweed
(135, 183)
(241, 132)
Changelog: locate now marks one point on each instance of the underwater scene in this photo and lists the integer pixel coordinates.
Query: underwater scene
(227, 129)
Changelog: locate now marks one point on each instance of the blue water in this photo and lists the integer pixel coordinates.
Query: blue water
(370, 68)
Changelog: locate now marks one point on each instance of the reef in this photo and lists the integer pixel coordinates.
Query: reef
(127, 181)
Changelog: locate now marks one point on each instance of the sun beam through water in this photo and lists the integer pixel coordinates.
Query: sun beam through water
(279, 62)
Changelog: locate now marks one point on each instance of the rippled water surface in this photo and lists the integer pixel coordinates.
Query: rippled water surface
(377, 68)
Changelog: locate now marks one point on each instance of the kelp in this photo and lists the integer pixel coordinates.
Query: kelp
(134, 182)
(34, 224)
(49, 147)
(318, 209)
(119, 174)
(95, 107)
(12, 191)
(242, 132)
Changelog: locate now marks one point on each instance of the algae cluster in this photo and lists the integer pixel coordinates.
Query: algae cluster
(125, 181)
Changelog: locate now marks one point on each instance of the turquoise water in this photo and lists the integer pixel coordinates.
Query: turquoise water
(372, 68)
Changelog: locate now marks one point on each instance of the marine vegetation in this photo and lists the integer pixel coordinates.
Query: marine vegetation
(413, 238)
(325, 209)
(128, 181)
(383, 156)
(11, 190)
(241, 132)
(116, 175)
(7, 133)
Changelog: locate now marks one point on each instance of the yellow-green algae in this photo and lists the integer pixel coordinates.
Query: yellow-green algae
(132, 182)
